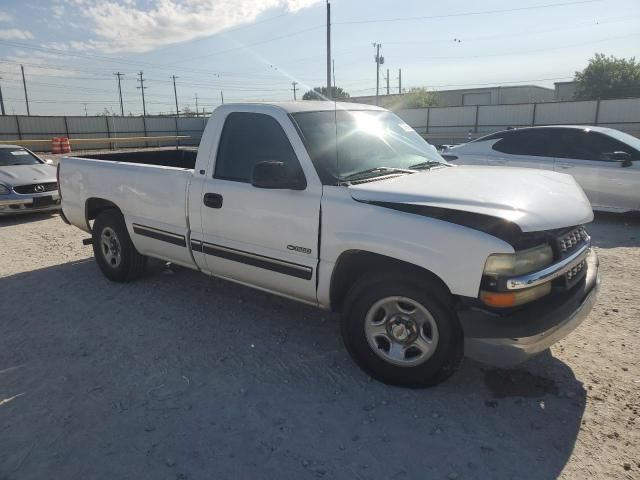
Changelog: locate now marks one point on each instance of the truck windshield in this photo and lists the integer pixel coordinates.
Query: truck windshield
(354, 144)
(17, 156)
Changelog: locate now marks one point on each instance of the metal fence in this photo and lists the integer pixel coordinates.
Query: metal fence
(440, 125)
(18, 127)
(457, 124)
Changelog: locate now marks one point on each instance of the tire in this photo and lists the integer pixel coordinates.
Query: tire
(112, 247)
(383, 314)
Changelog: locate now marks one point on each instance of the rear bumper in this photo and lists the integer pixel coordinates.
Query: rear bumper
(16, 203)
(504, 340)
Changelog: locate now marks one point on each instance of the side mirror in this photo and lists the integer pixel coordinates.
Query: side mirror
(622, 157)
(48, 161)
(275, 175)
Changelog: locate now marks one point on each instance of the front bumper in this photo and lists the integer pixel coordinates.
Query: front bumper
(18, 203)
(509, 339)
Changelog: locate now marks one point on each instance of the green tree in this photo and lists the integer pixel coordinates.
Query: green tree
(414, 98)
(320, 93)
(608, 77)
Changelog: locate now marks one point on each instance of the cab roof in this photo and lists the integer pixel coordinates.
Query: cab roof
(309, 106)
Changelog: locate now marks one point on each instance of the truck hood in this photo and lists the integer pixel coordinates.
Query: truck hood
(16, 175)
(534, 200)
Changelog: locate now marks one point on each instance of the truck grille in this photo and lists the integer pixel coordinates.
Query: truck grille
(574, 273)
(569, 240)
(37, 188)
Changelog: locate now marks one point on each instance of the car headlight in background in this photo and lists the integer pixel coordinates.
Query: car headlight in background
(519, 263)
(4, 190)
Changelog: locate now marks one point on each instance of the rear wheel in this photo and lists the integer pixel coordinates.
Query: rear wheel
(112, 247)
(399, 330)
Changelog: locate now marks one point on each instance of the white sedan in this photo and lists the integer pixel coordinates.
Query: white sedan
(27, 183)
(604, 161)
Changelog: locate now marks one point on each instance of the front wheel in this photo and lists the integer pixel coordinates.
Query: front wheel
(399, 330)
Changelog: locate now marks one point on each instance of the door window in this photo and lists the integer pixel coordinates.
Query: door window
(250, 138)
(534, 142)
(588, 145)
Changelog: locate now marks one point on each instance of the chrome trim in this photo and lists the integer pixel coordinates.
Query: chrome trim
(551, 272)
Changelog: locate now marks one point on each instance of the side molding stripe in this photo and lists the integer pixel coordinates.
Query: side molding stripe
(247, 258)
(161, 235)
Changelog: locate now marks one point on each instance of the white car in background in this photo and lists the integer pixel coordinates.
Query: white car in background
(27, 183)
(605, 162)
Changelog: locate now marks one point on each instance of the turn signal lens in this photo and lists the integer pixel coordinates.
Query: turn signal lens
(513, 299)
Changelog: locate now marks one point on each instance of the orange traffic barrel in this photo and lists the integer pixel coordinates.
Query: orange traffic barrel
(56, 145)
(65, 146)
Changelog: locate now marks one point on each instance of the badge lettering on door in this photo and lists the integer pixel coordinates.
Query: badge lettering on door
(295, 248)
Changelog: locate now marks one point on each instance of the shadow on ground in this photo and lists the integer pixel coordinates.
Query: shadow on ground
(182, 376)
(610, 230)
(21, 218)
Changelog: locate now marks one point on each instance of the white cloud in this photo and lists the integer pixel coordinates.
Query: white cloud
(36, 63)
(123, 26)
(15, 34)
(5, 17)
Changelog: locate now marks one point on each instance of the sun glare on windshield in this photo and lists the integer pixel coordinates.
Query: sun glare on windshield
(369, 124)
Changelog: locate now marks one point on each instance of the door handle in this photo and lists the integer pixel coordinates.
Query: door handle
(212, 200)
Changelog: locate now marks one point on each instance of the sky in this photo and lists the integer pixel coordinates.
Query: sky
(255, 49)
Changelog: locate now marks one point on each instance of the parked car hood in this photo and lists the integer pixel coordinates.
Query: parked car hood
(535, 200)
(27, 174)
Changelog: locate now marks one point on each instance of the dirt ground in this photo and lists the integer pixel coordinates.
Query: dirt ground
(180, 376)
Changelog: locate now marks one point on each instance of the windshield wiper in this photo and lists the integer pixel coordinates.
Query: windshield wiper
(429, 164)
(364, 173)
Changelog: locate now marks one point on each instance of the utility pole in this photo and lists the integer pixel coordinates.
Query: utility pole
(329, 91)
(400, 81)
(379, 61)
(222, 97)
(1, 100)
(197, 110)
(387, 81)
(294, 90)
(118, 74)
(333, 68)
(26, 97)
(85, 109)
(142, 87)
(175, 95)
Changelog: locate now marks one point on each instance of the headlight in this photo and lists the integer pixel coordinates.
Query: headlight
(519, 263)
(4, 190)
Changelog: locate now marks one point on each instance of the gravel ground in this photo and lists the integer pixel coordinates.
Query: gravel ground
(182, 376)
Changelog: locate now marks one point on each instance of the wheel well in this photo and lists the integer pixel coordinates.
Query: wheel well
(94, 206)
(353, 264)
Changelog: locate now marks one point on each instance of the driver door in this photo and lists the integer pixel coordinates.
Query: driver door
(266, 238)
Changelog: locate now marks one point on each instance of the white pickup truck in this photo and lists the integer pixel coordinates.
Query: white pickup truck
(345, 207)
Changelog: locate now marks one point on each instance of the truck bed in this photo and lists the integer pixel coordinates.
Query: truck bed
(169, 157)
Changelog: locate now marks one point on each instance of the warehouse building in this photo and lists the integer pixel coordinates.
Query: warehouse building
(480, 96)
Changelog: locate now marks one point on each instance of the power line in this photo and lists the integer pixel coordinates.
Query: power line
(466, 14)
(261, 42)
